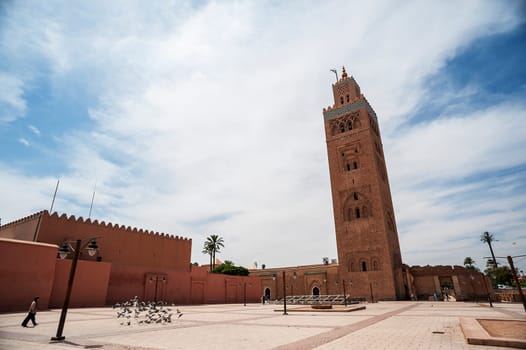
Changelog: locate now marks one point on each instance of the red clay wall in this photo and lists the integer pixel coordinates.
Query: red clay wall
(130, 263)
(120, 245)
(89, 286)
(209, 288)
(24, 229)
(148, 284)
(324, 277)
(195, 287)
(466, 284)
(26, 270)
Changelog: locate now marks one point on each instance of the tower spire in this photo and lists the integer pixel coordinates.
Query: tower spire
(366, 235)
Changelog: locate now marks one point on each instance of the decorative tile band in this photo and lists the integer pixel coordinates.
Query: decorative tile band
(340, 111)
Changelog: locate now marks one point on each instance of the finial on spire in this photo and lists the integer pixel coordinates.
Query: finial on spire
(335, 72)
(344, 73)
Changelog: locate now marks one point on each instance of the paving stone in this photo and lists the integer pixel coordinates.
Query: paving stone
(383, 325)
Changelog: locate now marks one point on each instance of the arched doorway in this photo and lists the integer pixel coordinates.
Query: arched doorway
(267, 293)
(316, 291)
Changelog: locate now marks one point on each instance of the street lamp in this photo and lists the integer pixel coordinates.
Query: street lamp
(487, 290)
(294, 276)
(284, 296)
(514, 273)
(274, 278)
(345, 291)
(63, 252)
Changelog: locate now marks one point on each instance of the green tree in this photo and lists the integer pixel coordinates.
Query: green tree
(500, 275)
(487, 237)
(228, 268)
(469, 263)
(213, 245)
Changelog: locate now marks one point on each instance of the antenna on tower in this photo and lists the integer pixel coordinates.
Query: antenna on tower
(53, 201)
(335, 72)
(92, 198)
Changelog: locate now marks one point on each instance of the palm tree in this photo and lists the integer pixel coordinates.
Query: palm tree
(213, 245)
(207, 249)
(469, 262)
(487, 237)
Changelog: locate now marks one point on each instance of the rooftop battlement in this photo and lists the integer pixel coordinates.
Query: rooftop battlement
(72, 218)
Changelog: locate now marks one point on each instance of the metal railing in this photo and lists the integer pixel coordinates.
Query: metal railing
(319, 299)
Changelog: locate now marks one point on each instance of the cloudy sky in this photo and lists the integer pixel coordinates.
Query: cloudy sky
(196, 118)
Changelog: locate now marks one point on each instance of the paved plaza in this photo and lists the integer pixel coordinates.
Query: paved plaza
(383, 325)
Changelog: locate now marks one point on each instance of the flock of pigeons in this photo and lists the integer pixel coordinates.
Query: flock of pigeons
(141, 312)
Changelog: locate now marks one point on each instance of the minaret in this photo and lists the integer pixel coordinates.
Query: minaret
(366, 235)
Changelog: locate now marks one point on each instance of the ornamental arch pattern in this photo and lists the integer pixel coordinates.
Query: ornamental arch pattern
(345, 124)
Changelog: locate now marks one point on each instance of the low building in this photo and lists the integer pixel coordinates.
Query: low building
(129, 262)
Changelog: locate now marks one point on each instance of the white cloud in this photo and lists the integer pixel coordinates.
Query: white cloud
(457, 146)
(12, 103)
(34, 130)
(209, 119)
(23, 141)
(27, 202)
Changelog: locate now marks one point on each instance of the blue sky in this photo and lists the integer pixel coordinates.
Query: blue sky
(195, 118)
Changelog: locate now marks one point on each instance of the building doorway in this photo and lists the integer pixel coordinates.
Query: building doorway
(267, 294)
(316, 291)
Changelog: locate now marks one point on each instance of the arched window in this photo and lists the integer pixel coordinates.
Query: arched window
(349, 125)
(342, 128)
(348, 166)
(341, 99)
(348, 98)
(356, 123)
(315, 291)
(355, 196)
(355, 165)
(357, 213)
(364, 266)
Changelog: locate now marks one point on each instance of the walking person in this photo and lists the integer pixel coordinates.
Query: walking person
(31, 314)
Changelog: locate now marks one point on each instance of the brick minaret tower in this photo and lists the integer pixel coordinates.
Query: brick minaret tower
(366, 235)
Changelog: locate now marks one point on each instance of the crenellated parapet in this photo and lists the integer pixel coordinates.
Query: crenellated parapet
(80, 220)
(24, 219)
(439, 270)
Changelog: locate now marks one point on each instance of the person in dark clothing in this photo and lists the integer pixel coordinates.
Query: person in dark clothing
(31, 314)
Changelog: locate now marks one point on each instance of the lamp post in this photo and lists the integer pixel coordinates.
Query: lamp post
(344, 293)
(294, 276)
(275, 279)
(63, 252)
(487, 290)
(284, 296)
(519, 288)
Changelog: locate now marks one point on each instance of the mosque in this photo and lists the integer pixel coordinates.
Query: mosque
(157, 266)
